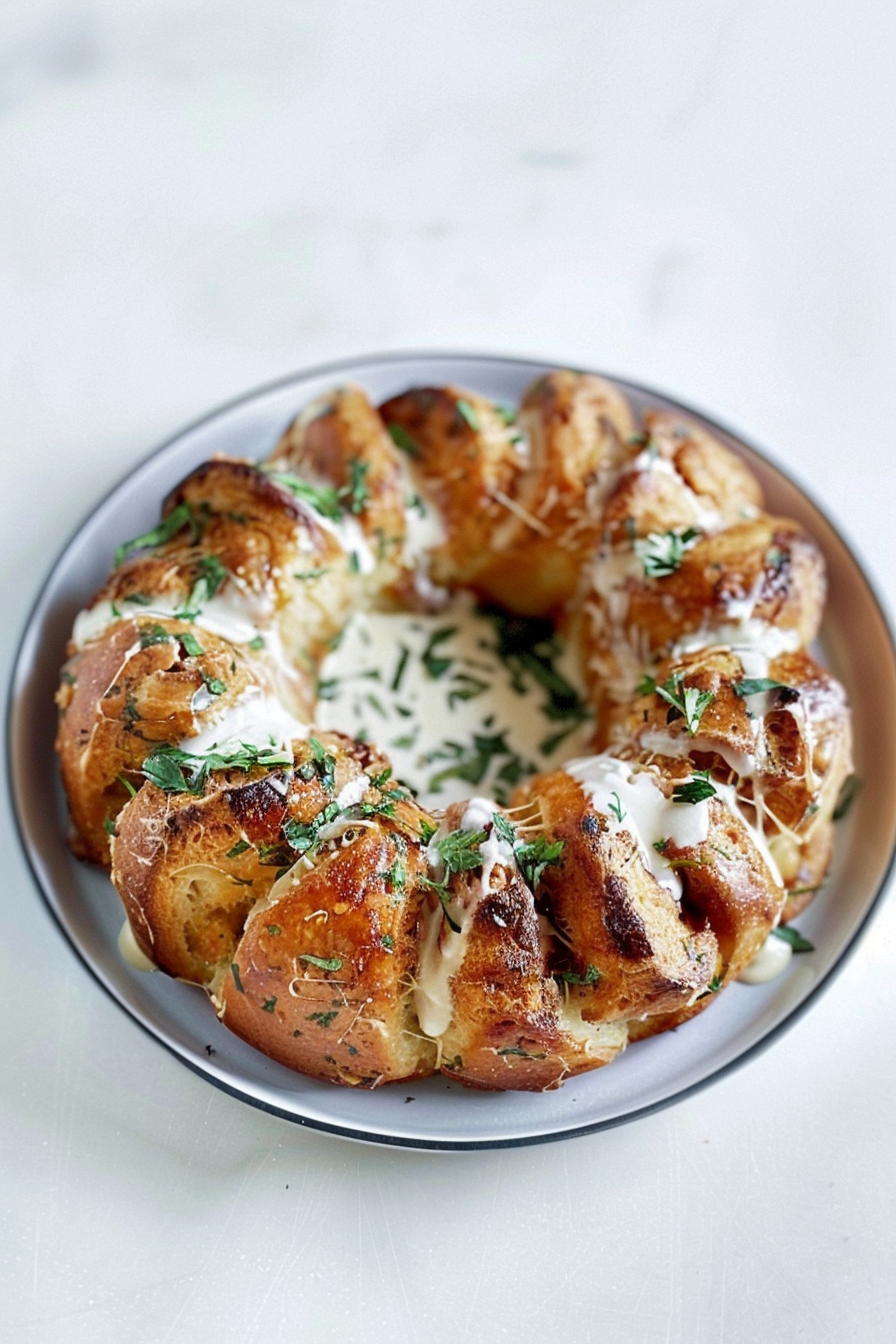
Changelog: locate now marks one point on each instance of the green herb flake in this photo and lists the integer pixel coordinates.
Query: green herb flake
(322, 963)
(235, 972)
(661, 553)
(269, 1005)
(402, 439)
(469, 414)
(536, 855)
(849, 791)
(239, 848)
(788, 934)
(213, 684)
(178, 771)
(592, 976)
(437, 666)
(403, 657)
(154, 634)
(323, 1019)
(179, 517)
(685, 702)
(356, 494)
(694, 790)
(616, 808)
(323, 499)
(191, 644)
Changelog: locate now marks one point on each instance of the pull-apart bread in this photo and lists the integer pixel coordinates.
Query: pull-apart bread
(339, 925)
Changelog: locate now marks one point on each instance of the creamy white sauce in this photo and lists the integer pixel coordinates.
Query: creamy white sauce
(256, 719)
(427, 716)
(770, 961)
(424, 530)
(679, 746)
(755, 643)
(441, 953)
(706, 518)
(613, 786)
(494, 851)
(351, 537)
(131, 952)
(235, 615)
(442, 949)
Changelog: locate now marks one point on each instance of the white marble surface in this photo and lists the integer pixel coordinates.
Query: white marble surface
(196, 197)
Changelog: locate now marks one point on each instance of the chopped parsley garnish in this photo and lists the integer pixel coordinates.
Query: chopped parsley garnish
(181, 516)
(460, 850)
(235, 972)
(437, 666)
(154, 634)
(661, 553)
(532, 856)
(401, 668)
(536, 855)
(269, 1005)
(303, 835)
(616, 808)
(256, 644)
(178, 771)
(849, 791)
(355, 495)
(326, 764)
(322, 963)
(323, 1019)
(402, 439)
(210, 575)
(472, 763)
(214, 685)
(324, 499)
(788, 934)
(191, 645)
(469, 414)
(239, 848)
(685, 702)
(523, 1054)
(460, 853)
(759, 685)
(465, 687)
(592, 976)
(694, 790)
(529, 649)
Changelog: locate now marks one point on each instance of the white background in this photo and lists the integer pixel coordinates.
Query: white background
(197, 197)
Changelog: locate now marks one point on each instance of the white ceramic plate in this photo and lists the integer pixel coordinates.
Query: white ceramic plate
(436, 1114)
